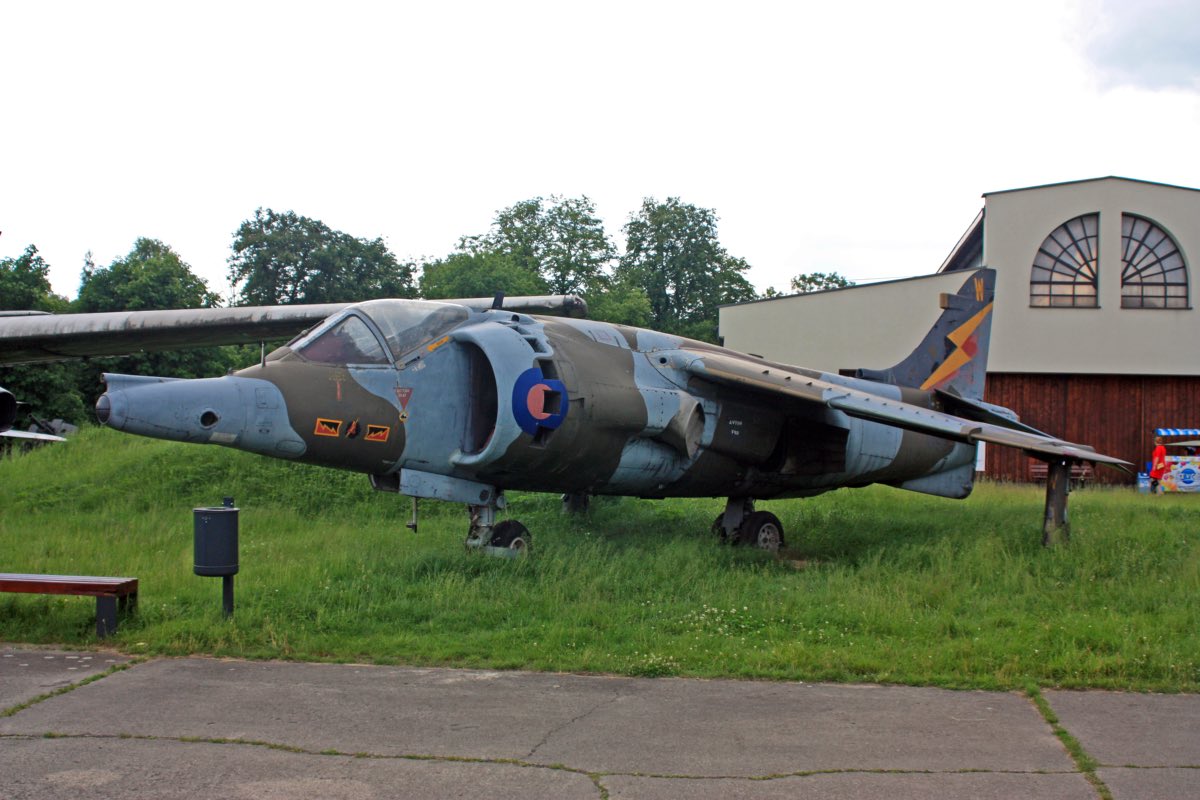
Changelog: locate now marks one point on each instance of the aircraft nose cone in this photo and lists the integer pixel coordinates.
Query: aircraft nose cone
(168, 408)
(103, 409)
(236, 412)
(112, 410)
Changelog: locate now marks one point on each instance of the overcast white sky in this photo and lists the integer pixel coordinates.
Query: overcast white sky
(852, 137)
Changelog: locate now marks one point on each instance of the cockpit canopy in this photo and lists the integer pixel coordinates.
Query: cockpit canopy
(405, 325)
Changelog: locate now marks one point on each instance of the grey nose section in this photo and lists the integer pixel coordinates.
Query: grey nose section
(245, 413)
(182, 410)
(113, 405)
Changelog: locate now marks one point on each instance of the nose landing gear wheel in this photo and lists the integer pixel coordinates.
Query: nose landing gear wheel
(510, 535)
(763, 530)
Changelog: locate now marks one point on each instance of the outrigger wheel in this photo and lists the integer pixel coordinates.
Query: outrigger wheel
(511, 535)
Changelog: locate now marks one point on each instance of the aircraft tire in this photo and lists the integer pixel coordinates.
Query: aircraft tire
(510, 534)
(763, 530)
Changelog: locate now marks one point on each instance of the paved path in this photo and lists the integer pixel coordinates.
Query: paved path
(195, 728)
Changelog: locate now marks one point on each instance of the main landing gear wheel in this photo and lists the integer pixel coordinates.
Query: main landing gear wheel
(510, 535)
(763, 530)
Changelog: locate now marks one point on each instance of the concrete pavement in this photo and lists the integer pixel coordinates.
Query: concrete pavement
(198, 727)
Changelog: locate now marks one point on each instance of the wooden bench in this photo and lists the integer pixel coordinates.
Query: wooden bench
(109, 593)
(1081, 472)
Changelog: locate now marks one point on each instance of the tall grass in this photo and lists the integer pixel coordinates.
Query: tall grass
(875, 585)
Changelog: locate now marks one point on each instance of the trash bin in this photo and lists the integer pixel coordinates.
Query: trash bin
(216, 540)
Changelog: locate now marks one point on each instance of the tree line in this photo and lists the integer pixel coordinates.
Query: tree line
(672, 276)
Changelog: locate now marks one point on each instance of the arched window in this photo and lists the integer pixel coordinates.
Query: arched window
(1154, 274)
(1064, 270)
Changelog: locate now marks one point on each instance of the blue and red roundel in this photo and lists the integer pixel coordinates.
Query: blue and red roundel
(538, 402)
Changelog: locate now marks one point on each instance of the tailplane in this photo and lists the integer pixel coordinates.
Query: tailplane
(953, 355)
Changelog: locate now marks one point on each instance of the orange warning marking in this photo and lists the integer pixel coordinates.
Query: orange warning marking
(327, 427)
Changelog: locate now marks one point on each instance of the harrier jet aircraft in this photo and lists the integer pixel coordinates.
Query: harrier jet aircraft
(463, 400)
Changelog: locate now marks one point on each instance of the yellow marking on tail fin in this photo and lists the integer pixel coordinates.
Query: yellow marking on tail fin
(955, 361)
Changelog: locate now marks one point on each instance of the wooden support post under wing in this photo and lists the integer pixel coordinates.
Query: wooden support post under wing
(1057, 528)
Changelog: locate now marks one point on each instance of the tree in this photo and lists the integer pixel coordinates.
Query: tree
(283, 258)
(620, 302)
(479, 274)
(25, 284)
(673, 253)
(50, 390)
(517, 234)
(561, 240)
(577, 248)
(819, 281)
(152, 276)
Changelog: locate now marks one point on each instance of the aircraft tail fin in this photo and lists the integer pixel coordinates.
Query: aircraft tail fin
(953, 355)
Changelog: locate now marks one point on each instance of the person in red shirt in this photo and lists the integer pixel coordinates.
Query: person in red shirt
(1158, 463)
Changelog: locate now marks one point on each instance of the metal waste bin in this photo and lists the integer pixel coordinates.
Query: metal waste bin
(216, 540)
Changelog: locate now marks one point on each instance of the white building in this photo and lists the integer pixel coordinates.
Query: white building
(1094, 335)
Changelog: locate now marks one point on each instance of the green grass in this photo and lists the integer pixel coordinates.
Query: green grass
(876, 584)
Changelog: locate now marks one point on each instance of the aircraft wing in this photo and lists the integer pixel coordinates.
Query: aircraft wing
(772, 379)
(41, 437)
(54, 337)
(29, 338)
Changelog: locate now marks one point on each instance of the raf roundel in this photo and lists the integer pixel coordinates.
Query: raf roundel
(538, 402)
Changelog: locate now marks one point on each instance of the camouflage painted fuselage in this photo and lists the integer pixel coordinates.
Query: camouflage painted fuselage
(460, 400)
(565, 405)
